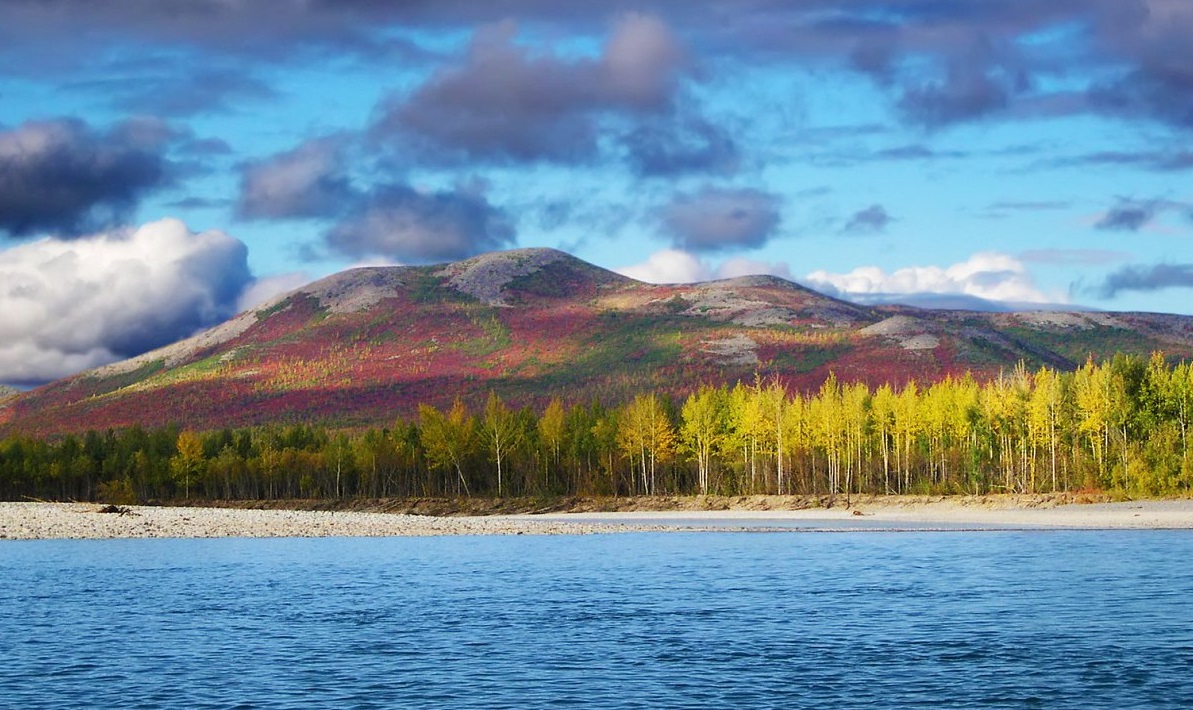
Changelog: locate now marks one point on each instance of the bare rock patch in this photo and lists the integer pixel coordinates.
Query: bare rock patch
(737, 350)
(485, 277)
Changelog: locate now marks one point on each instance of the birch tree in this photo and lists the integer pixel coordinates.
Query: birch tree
(188, 463)
(645, 433)
(883, 407)
(704, 429)
(501, 433)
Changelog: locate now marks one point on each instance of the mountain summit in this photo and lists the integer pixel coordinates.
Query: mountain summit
(368, 345)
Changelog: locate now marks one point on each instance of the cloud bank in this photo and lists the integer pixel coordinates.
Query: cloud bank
(72, 305)
(989, 276)
(671, 266)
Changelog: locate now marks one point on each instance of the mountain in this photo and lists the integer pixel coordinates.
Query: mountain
(369, 345)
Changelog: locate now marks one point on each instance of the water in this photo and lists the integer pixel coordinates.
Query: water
(793, 620)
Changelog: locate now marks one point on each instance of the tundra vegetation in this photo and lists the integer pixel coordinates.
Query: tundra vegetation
(1118, 426)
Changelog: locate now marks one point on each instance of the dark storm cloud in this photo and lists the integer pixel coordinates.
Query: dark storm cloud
(967, 92)
(874, 218)
(1129, 215)
(669, 148)
(66, 177)
(1155, 41)
(715, 219)
(308, 181)
(1146, 278)
(389, 220)
(939, 62)
(260, 28)
(1165, 94)
(398, 222)
(504, 102)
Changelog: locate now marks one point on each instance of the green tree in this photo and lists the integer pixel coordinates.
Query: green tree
(448, 439)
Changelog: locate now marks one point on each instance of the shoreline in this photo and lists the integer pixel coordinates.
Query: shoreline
(42, 520)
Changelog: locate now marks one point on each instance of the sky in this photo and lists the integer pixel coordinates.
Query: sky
(165, 164)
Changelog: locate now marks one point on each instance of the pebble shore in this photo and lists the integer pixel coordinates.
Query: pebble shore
(40, 521)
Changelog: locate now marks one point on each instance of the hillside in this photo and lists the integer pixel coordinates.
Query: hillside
(369, 345)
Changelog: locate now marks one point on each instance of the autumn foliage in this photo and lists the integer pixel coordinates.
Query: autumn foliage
(1122, 425)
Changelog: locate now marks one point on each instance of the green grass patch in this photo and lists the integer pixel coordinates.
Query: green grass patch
(99, 386)
(1078, 344)
(275, 308)
(198, 370)
(808, 358)
(545, 282)
(425, 287)
(978, 351)
(495, 337)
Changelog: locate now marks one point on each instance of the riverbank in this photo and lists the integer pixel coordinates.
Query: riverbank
(894, 513)
(538, 505)
(585, 516)
(39, 521)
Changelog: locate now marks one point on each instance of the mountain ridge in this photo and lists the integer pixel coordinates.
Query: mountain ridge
(368, 345)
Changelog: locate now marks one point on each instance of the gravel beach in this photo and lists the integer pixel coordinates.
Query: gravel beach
(33, 521)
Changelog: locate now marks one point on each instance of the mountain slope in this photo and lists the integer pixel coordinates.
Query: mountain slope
(369, 345)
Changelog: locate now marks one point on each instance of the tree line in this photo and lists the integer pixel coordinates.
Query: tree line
(1121, 425)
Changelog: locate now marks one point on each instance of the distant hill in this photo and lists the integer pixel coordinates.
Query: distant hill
(368, 345)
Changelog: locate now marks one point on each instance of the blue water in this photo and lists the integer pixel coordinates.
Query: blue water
(792, 620)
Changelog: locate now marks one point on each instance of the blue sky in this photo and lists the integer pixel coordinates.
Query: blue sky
(165, 163)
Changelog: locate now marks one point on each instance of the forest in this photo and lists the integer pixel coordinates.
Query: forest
(1117, 426)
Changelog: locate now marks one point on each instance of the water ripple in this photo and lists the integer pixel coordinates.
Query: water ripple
(963, 620)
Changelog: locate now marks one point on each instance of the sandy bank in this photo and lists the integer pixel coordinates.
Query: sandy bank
(26, 521)
(893, 513)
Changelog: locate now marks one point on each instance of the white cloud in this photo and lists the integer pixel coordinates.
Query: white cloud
(990, 276)
(670, 266)
(70, 305)
(738, 266)
(673, 266)
(266, 287)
